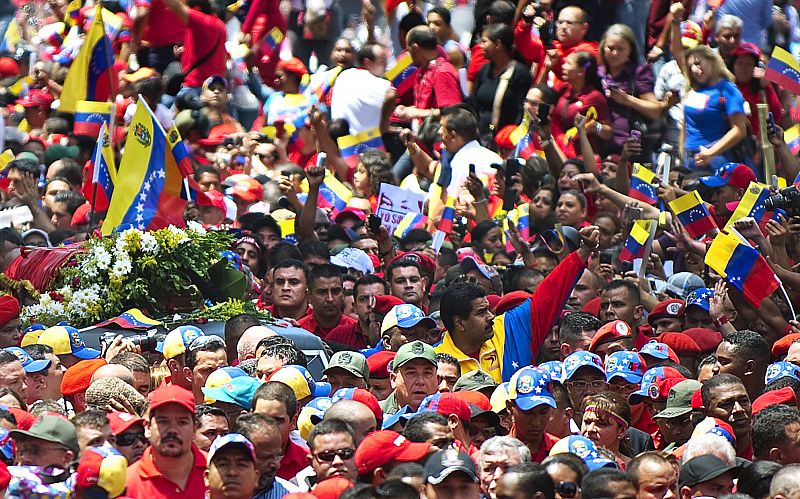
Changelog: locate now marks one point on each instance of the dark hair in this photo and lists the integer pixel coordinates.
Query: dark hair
(769, 428)
(292, 263)
(395, 489)
(92, 417)
(581, 197)
(638, 461)
(501, 11)
(422, 36)
(4, 390)
(235, 328)
(249, 423)
(70, 170)
(7, 357)
(786, 381)
(206, 344)
(596, 484)
(416, 429)
(367, 52)
(533, 477)
(513, 276)
(200, 170)
(279, 392)
(73, 200)
(480, 230)
(712, 386)
(282, 250)
(502, 33)
(462, 122)
(561, 395)
(151, 88)
(328, 427)
(314, 247)
(25, 165)
(411, 21)
(57, 125)
(457, 302)
(633, 290)
(749, 345)
(441, 12)
(132, 360)
(709, 359)
(571, 461)
(589, 63)
(414, 237)
(401, 263)
(325, 271)
(572, 326)
(379, 168)
(207, 410)
(369, 279)
(37, 351)
(446, 358)
(286, 352)
(755, 478)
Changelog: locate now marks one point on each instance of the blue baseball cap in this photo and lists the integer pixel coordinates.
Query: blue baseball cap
(316, 409)
(405, 316)
(736, 174)
(231, 439)
(398, 417)
(28, 364)
(700, 297)
(530, 387)
(655, 349)
(554, 368)
(626, 365)
(178, 340)
(649, 387)
(322, 389)
(581, 358)
(780, 370)
(584, 449)
(239, 391)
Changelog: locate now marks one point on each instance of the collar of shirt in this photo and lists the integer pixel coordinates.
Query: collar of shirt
(148, 467)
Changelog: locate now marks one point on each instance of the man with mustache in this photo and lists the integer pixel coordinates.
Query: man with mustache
(173, 466)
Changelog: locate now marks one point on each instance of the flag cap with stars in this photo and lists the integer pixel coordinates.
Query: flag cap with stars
(649, 387)
(554, 367)
(530, 387)
(659, 350)
(780, 370)
(579, 359)
(625, 364)
(700, 297)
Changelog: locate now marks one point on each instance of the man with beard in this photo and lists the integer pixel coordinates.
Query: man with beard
(172, 466)
(265, 434)
(289, 292)
(725, 397)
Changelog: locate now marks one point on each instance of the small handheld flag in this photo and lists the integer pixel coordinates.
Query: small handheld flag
(104, 171)
(351, 146)
(409, 222)
(784, 70)
(693, 214)
(792, 139)
(743, 267)
(448, 215)
(637, 241)
(90, 115)
(751, 205)
(642, 185)
(90, 77)
(402, 73)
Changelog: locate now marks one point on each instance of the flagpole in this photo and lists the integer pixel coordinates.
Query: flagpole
(788, 301)
(648, 248)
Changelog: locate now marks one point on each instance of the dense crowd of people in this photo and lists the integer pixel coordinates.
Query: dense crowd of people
(593, 298)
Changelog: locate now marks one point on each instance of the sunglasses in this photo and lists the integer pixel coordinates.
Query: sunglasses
(567, 489)
(127, 439)
(329, 456)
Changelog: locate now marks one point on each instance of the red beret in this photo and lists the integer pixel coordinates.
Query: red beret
(494, 300)
(680, 343)
(510, 300)
(667, 308)
(293, 65)
(379, 362)
(474, 398)
(784, 395)
(78, 377)
(426, 263)
(9, 309)
(384, 303)
(706, 339)
(503, 137)
(781, 347)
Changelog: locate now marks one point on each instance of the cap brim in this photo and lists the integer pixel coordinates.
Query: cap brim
(597, 463)
(673, 412)
(494, 419)
(37, 366)
(218, 394)
(413, 322)
(414, 452)
(627, 376)
(637, 397)
(713, 181)
(436, 480)
(656, 354)
(87, 353)
(528, 403)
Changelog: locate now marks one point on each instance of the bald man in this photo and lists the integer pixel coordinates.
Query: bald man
(115, 371)
(786, 483)
(358, 415)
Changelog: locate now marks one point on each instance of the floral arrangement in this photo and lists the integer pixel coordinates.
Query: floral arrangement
(133, 268)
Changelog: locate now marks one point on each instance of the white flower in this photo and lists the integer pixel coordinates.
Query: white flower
(101, 257)
(181, 235)
(122, 267)
(195, 226)
(149, 244)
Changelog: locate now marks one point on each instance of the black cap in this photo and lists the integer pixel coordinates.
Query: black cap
(444, 462)
(702, 469)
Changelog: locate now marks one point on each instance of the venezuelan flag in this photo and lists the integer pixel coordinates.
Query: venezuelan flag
(273, 40)
(743, 267)
(792, 139)
(152, 195)
(90, 116)
(693, 214)
(637, 240)
(522, 140)
(402, 73)
(351, 146)
(287, 230)
(180, 152)
(73, 15)
(751, 205)
(131, 319)
(448, 215)
(90, 76)
(295, 116)
(784, 70)
(321, 84)
(104, 171)
(642, 186)
(335, 193)
(523, 221)
(409, 222)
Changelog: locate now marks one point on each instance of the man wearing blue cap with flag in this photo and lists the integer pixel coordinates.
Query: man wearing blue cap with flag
(231, 471)
(729, 184)
(530, 405)
(68, 344)
(174, 348)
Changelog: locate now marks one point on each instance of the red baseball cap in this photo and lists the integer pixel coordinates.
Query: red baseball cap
(474, 398)
(8, 67)
(426, 263)
(381, 447)
(379, 362)
(37, 98)
(121, 421)
(248, 189)
(737, 175)
(446, 404)
(781, 347)
(784, 395)
(747, 48)
(610, 332)
(331, 488)
(384, 303)
(171, 394)
(217, 135)
(363, 396)
(212, 198)
(350, 211)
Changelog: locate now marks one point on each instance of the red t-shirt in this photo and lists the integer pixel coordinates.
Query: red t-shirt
(164, 27)
(437, 86)
(294, 461)
(565, 50)
(146, 481)
(754, 98)
(345, 331)
(565, 110)
(203, 32)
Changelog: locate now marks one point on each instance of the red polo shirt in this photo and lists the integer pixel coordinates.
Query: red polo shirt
(145, 481)
(437, 86)
(346, 331)
(295, 460)
(539, 455)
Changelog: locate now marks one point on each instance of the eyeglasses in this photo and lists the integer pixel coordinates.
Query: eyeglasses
(126, 439)
(487, 432)
(567, 489)
(626, 388)
(330, 455)
(583, 385)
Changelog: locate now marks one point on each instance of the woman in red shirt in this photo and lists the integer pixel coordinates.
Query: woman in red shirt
(744, 59)
(581, 94)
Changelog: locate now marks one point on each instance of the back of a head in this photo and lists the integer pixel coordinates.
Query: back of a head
(786, 481)
(277, 391)
(422, 36)
(572, 326)
(236, 326)
(532, 477)
(597, 484)
(710, 443)
(756, 477)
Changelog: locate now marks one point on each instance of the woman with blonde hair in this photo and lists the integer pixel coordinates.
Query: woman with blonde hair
(715, 121)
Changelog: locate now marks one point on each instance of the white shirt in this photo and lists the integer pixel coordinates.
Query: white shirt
(358, 98)
(475, 154)
(163, 115)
